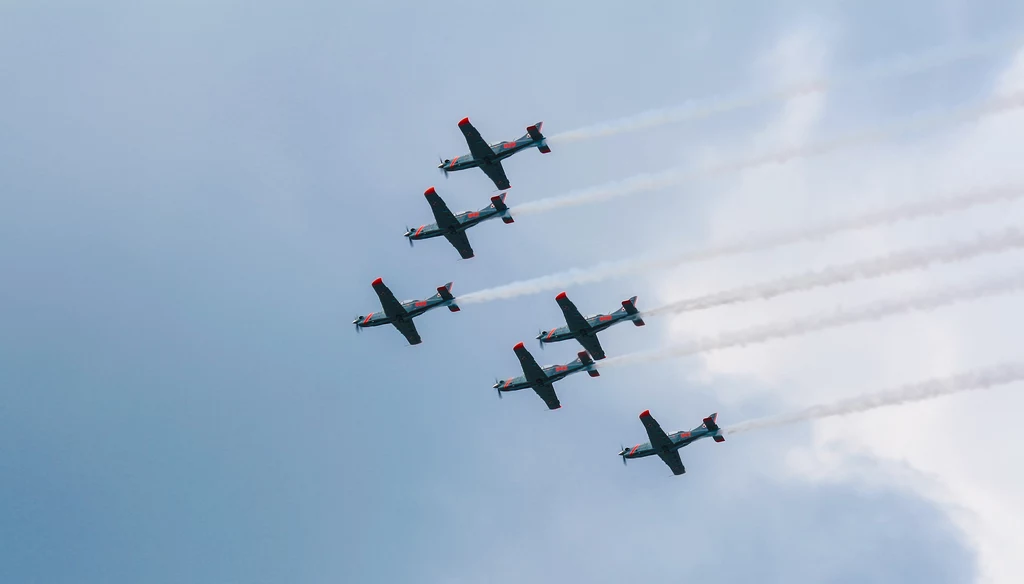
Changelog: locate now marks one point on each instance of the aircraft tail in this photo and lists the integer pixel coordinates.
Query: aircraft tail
(630, 307)
(534, 132)
(445, 294)
(711, 423)
(499, 204)
(586, 359)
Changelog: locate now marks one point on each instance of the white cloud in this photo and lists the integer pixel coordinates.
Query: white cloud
(962, 452)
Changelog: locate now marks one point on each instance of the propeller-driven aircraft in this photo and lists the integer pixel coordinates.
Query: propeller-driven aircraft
(488, 157)
(585, 329)
(667, 446)
(540, 379)
(453, 227)
(401, 314)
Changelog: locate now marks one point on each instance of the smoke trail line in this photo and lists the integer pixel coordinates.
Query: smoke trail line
(818, 322)
(912, 259)
(700, 109)
(652, 181)
(956, 202)
(973, 380)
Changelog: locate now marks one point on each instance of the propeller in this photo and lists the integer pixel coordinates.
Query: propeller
(443, 166)
(497, 386)
(355, 322)
(623, 454)
(540, 339)
(408, 235)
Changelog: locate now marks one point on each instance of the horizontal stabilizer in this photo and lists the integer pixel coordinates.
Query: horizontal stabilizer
(499, 202)
(534, 131)
(594, 373)
(499, 205)
(718, 438)
(710, 422)
(584, 358)
(639, 322)
(445, 292)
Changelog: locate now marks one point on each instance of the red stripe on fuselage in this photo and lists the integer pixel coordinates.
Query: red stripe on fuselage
(368, 317)
(420, 230)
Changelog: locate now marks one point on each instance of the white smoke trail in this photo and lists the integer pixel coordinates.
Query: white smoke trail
(949, 203)
(993, 242)
(933, 388)
(700, 109)
(671, 177)
(837, 318)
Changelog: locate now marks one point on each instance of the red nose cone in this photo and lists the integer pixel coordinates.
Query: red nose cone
(561, 296)
(645, 414)
(518, 346)
(463, 121)
(378, 282)
(430, 191)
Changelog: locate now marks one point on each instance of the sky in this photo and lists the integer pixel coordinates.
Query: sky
(195, 197)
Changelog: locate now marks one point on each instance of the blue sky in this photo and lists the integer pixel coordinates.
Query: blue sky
(195, 198)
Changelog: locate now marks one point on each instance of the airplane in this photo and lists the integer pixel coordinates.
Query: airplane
(585, 329)
(667, 445)
(453, 227)
(488, 157)
(541, 379)
(401, 314)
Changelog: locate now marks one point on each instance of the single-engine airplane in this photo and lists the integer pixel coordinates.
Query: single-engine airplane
(453, 227)
(541, 379)
(401, 314)
(667, 446)
(585, 329)
(488, 157)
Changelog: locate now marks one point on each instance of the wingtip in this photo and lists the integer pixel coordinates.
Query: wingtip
(519, 345)
(378, 282)
(645, 414)
(464, 121)
(429, 191)
(561, 296)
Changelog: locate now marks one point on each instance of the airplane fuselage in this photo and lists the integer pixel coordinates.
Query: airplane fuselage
(553, 373)
(598, 323)
(679, 440)
(500, 151)
(413, 308)
(466, 220)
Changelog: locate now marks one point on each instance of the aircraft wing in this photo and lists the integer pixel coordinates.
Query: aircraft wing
(477, 146)
(546, 392)
(592, 345)
(671, 458)
(408, 329)
(659, 440)
(392, 307)
(461, 242)
(533, 371)
(442, 214)
(573, 318)
(496, 173)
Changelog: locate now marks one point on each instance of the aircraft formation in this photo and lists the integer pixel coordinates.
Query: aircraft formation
(583, 329)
